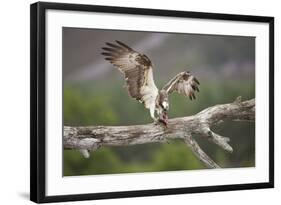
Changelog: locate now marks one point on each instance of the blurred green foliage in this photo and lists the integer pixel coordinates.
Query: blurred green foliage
(105, 103)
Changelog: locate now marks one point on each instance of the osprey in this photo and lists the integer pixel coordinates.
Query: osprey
(138, 73)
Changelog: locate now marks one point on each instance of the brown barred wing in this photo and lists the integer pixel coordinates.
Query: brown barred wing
(132, 64)
(184, 83)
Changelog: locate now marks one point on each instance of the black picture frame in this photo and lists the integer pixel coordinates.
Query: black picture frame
(38, 101)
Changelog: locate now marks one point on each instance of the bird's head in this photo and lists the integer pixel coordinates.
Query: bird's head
(163, 103)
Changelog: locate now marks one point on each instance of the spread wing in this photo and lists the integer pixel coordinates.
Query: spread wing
(183, 83)
(136, 67)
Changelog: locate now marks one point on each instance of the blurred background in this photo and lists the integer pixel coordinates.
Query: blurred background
(94, 94)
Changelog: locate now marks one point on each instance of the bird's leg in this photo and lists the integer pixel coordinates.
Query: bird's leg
(152, 111)
(163, 118)
(157, 120)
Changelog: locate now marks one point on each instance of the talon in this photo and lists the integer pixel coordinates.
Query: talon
(163, 122)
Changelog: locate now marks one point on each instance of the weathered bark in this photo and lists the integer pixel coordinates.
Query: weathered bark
(92, 137)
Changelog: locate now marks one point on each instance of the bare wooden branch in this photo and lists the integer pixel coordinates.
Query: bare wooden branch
(199, 153)
(91, 138)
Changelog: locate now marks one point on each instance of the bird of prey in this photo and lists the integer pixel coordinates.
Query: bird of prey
(138, 72)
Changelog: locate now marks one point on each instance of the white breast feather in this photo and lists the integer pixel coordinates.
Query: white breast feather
(149, 91)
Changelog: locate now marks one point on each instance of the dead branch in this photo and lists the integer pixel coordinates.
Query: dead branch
(91, 138)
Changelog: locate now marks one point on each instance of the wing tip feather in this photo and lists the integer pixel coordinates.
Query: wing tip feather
(109, 59)
(106, 54)
(123, 45)
(197, 81)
